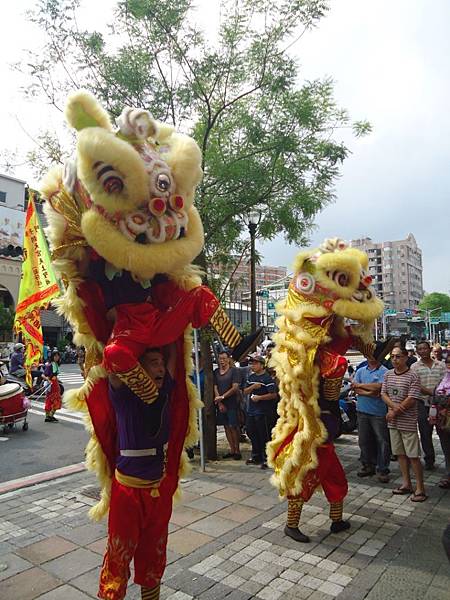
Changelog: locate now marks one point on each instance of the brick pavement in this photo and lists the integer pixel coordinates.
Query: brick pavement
(226, 541)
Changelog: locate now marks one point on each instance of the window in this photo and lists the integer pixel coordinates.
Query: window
(2, 196)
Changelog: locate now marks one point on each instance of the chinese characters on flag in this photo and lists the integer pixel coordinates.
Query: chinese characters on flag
(38, 286)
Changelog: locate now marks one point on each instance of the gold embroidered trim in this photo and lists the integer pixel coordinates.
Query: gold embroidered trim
(225, 328)
(331, 388)
(139, 382)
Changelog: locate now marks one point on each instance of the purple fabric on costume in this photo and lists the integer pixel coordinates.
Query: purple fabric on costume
(142, 426)
(121, 289)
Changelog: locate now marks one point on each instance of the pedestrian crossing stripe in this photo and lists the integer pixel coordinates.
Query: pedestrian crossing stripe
(59, 415)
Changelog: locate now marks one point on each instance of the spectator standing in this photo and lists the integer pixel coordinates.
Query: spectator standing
(226, 392)
(81, 359)
(400, 391)
(412, 358)
(201, 385)
(262, 397)
(46, 352)
(430, 374)
(441, 418)
(373, 434)
(437, 352)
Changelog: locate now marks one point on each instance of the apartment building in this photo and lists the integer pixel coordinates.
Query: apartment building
(240, 282)
(396, 268)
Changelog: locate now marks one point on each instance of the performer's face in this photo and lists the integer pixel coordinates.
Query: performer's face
(153, 363)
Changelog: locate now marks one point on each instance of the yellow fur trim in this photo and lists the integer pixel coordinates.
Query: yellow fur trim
(83, 110)
(147, 260)
(95, 144)
(297, 341)
(184, 159)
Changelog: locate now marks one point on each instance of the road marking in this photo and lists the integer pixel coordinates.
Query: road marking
(61, 411)
(2, 439)
(60, 417)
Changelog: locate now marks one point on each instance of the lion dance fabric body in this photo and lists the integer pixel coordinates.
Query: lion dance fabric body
(330, 284)
(123, 231)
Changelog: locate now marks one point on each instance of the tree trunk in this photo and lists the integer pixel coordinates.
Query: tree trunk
(209, 431)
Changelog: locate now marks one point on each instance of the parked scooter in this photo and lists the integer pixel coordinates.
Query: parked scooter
(347, 406)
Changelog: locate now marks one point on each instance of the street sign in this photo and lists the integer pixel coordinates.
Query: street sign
(435, 320)
(408, 312)
(445, 317)
(390, 312)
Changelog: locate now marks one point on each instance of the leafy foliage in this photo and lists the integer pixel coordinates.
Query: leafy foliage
(435, 301)
(267, 141)
(6, 318)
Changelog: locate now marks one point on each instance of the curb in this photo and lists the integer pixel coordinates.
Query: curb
(22, 482)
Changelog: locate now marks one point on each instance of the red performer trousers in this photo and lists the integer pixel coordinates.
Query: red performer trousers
(329, 474)
(53, 398)
(137, 529)
(142, 326)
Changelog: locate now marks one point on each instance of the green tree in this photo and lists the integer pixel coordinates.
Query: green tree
(435, 301)
(6, 321)
(268, 140)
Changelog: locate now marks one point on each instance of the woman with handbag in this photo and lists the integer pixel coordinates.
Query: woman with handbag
(440, 416)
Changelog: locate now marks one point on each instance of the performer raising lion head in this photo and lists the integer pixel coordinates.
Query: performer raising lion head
(123, 230)
(330, 284)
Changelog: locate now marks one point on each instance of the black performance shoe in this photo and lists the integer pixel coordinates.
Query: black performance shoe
(384, 348)
(337, 526)
(296, 534)
(247, 345)
(48, 420)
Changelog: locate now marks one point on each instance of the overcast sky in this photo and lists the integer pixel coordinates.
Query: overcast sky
(390, 61)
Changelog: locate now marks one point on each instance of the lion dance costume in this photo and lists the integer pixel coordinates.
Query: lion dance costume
(330, 284)
(123, 232)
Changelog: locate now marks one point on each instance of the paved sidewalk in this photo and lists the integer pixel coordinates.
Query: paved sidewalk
(226, 541)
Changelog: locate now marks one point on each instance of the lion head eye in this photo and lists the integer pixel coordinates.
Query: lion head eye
(163, 182)
(109, 178)
(339, 277)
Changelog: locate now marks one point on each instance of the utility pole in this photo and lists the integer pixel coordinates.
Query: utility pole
(252, 226)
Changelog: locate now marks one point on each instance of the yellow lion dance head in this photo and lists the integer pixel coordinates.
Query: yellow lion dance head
(137, 182)
(334, 279)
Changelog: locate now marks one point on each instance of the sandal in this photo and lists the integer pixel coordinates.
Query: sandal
(402, 491)
(445, 484)
(418, 497)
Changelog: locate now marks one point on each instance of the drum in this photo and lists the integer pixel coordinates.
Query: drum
(11, 403)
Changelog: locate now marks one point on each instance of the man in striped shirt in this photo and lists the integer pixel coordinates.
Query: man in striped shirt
(401, 391)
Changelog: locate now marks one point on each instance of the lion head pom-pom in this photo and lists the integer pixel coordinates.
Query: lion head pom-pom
(136, 122)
